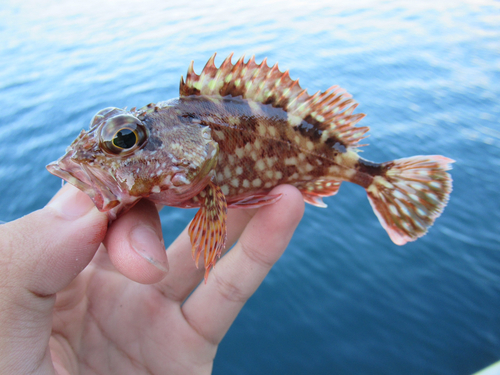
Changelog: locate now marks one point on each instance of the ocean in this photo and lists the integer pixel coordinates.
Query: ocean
(343, 299)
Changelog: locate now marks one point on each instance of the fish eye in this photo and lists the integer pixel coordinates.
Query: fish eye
(122, 134)
(125, 138)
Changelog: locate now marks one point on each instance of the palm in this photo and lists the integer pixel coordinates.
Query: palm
(106, 322)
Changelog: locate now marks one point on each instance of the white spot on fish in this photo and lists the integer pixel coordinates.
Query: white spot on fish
(334, 170)
(130, 181)
(397, 194)
(435, 184)
(220, 134)
(421, 212)
(260, 165)
(239, 152)
(261, 129)
(257, 182)
(382, 181)
(405, 209)
(248, 147)
(270, 161)
(417, 185)
(432, 196)
(407, 226)
(225, 189)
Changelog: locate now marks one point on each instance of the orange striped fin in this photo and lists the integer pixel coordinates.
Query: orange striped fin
(208, 231)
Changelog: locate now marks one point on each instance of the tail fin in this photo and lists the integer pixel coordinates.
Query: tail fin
(410, 195)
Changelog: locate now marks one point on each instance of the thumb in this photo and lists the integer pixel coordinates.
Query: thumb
(40, 254)
(48, 248)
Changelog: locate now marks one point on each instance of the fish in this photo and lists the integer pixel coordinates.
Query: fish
(233, 134)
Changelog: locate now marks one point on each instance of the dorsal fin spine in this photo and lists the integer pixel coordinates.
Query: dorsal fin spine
(226, 62)
(211, 62)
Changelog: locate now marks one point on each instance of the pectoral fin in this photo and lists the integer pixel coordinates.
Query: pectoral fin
(208, 231)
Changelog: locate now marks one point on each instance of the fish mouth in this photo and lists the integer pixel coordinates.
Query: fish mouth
(81, 176)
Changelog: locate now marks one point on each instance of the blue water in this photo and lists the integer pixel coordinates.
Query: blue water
(343, 299)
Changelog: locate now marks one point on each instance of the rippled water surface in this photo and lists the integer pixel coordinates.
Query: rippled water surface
(343, 299)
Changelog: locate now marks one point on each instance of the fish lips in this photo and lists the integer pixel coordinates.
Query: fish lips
(82, 177)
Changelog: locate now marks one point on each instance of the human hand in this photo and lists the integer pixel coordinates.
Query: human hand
(70, 305)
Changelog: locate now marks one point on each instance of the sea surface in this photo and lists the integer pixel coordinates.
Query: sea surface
(343, 299)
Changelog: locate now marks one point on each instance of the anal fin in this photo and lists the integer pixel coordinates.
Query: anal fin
(208, 230)
(314, 191)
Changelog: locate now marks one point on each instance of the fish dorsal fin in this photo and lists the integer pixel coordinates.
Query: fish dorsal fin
(329, 111)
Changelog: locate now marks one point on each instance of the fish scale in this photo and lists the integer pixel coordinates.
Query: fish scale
(235, 133)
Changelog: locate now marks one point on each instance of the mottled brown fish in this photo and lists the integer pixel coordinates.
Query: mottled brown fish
(234, 133)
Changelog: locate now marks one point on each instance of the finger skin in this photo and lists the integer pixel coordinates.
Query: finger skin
(213, 306)
(40, 254)
(145, 261)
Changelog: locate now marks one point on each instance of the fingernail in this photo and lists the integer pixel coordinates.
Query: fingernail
(148, 245)
(71, 203)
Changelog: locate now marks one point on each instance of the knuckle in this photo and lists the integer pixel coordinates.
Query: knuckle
(229, 290)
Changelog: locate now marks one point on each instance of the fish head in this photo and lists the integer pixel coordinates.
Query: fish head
(129, 155)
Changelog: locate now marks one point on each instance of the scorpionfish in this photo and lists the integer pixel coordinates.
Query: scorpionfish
(233, 134)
